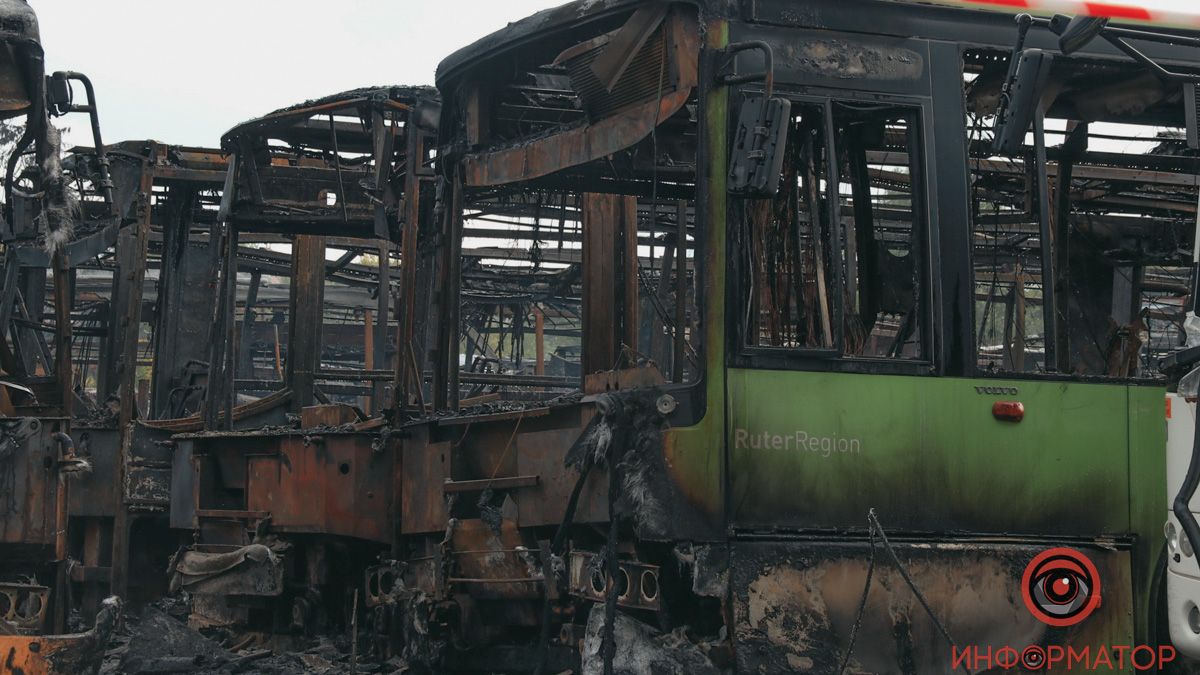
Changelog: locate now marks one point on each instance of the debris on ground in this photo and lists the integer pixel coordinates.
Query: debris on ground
(643, 649)
(158, 641)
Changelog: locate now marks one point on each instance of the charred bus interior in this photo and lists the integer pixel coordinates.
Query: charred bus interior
(1111, 233)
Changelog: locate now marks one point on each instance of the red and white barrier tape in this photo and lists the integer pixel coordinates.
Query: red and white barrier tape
(1167, 12)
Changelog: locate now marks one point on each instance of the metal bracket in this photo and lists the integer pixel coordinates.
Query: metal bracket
(766, 75)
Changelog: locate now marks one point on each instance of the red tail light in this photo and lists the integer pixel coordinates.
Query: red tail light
(1008, 411)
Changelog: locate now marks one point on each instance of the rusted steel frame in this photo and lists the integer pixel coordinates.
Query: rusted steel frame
(245, 339)
(610, 292)
(368, 403)
(278, 361)
(383, 141)
(573, 147)
(1017, 168)
(127, 373)
(245, 153)
(229, 345)
(192, 175)
(64, 375)
(236, 513)
(37, 328)
(132, 312)
(600, 222)
(200, 159)
(837, 229)
(117, 374)
(27, 326)
(60, 654)
(660, 341)
(539, 333)
(380, 328)
(460, 420)
(8, 295)
(504, 483)
(1055, 322)
(454, 290)
(368, 374)
(626, 42)
(211, 407)
(445, 371)
(582, 144)
(171, 348)
(63, 370)
(306, 311)
(406, 310)
(520, 380)
(246, 410)
(382, 144)
(1074, 146)
(279, 264)
(333, 106)
(337, 166)
(677, 359)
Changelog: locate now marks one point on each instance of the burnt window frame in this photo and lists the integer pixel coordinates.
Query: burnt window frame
(1148, 377)
(741, 354)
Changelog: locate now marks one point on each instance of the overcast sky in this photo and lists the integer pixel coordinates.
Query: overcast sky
(185, 72)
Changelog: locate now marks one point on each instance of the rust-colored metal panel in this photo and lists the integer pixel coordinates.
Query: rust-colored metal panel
(541, 453)
(483, 553)
(148, 486)
(626, 378)
(326, 415)
(28, 481)
(425, 467)
(492, 564)
(41, 655)
(289, 486)
(95, 493)
(60, 654)
(184, 486)
(230, 460)
(482, 450)
(358, 488)
(148, 468)
(329, 485)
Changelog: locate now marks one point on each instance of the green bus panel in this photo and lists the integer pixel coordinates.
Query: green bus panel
(814, 450)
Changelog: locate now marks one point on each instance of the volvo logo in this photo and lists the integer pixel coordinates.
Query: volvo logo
(997, 391)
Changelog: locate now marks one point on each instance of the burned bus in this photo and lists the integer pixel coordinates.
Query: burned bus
(667, 336)
(852, 355)
(285, 468)
(44, 226)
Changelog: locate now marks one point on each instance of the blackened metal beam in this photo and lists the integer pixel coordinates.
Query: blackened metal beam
(305, 318)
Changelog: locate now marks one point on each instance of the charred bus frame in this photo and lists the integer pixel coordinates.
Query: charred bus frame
(903, 310)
